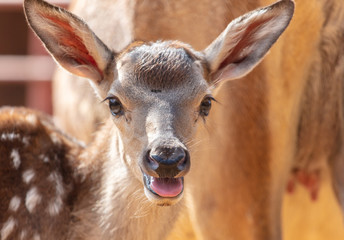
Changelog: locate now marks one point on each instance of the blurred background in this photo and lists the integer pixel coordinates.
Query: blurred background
(25, 67)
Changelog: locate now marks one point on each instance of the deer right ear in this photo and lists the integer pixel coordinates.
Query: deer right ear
(70, 41)
(246, 40)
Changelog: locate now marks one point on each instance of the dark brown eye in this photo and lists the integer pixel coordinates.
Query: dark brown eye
(116, 107)
(205, 106)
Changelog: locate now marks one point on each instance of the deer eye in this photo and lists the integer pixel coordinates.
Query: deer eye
(116, 107)
(205, 106)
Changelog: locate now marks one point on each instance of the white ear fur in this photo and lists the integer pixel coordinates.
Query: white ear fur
(69, 40)
(246, 40)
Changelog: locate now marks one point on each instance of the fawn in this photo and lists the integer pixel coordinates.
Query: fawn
(281, 122)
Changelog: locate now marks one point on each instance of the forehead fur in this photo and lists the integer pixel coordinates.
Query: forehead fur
(160, 65)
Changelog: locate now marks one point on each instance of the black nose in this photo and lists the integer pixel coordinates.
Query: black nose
(168, 156)
(168, 161)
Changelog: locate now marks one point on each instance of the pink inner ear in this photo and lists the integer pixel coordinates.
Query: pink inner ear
(245, 41)
(67, 37)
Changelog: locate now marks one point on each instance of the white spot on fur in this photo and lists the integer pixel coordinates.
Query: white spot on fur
(33, 198)
(14, 136)
(36, 237)
(9, 136)
(15, 158)
(28, 175)
(26, 141)
(14, 204)
(8, 228)
(56, 204)
(23, 234)
(32, 119)
(44, 158)
(54, 138)
(56, 178)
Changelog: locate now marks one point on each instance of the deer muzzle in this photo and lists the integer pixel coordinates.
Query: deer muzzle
(163, 170)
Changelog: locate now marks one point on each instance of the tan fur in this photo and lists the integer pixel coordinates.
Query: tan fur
(269, 126)
(287, 72)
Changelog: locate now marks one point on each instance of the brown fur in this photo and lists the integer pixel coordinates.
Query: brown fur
(163, 76)
(31, 145)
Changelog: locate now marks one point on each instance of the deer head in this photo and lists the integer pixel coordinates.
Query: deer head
(157, 92)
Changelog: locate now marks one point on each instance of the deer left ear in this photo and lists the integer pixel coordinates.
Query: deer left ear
(246, 40)
(70, 41)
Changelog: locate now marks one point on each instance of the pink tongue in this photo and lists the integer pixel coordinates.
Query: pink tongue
(167, 187)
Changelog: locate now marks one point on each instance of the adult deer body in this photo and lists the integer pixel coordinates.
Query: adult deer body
(278, 118)
(157, 94)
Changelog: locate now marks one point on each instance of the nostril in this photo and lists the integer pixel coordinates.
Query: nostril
(152, 162)
(184, 162)
(179, 156)
(157, 158)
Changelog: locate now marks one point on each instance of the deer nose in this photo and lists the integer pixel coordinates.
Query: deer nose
(168, 161)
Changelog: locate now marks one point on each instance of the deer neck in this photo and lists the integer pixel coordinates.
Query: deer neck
(112, 199)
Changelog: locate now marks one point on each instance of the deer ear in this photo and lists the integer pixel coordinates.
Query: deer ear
(69, 40)
(246, 40)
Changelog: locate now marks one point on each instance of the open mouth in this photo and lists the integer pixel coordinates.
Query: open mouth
(164, 187)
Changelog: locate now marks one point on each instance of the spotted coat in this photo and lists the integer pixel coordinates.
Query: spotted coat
(36, 176)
